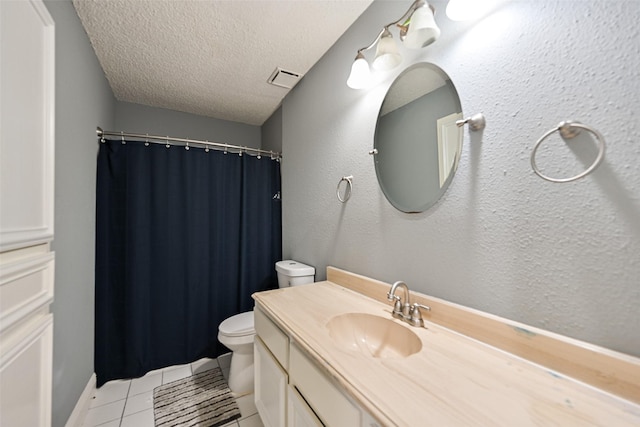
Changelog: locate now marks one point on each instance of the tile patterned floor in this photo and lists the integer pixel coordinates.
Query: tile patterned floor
(129, 403)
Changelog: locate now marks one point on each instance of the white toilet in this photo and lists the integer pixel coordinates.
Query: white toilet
(237, 332)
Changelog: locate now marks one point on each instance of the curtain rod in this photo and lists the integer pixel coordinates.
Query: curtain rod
(221, 146)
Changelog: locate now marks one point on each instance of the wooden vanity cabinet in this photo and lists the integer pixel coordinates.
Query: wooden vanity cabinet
(291, 390)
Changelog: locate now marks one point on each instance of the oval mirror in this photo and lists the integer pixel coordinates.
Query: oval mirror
(417, 142)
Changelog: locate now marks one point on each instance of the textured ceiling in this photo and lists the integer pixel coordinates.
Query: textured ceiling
(211, 57)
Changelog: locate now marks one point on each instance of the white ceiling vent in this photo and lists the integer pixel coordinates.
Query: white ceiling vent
(284, 78)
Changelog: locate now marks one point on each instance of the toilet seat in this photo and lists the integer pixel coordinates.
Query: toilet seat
(238, 325)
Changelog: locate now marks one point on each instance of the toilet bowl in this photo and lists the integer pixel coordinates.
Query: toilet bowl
(237, 332)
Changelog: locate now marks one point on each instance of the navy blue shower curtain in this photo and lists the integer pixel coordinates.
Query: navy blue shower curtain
(183, 238)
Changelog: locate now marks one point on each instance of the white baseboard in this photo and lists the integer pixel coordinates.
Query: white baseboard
(82, 406)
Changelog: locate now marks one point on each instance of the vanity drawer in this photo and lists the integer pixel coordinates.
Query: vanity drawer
(276, 340)
(324, 398)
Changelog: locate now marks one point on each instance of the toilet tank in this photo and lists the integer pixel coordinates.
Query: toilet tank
(293, 273)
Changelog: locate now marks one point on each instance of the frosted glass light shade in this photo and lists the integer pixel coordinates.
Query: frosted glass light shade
(360, 76)
(464, 10)
(423, 29)
(387, 56)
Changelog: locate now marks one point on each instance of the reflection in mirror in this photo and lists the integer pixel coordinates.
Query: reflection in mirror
(417, 142)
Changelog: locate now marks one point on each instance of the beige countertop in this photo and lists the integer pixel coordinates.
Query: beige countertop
(453, 380)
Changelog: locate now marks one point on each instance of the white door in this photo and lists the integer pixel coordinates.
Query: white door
(27, 82)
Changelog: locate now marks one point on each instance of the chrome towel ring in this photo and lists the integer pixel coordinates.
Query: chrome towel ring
(568, 130)
(347, 190)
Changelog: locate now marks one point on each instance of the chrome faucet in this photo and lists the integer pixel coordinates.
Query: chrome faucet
(406, 311)
(400, 309)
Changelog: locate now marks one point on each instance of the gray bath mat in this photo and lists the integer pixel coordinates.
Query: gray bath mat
(202, 400)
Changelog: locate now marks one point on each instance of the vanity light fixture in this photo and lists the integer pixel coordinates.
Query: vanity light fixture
(417, 29)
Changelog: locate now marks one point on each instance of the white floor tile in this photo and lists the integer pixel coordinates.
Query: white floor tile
(231, 424)
(203, 365)
(252, 421)
(176, 367)
(105, 413)
(139, 419)
(155, 371)
(110, 392)
(146, 383)
(247, 405)
(138, 403)
(176, 373)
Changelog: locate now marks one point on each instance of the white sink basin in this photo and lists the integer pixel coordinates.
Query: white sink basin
(374, 336)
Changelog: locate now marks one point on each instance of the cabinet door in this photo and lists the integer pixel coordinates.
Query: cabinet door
(270, 386)
(299, 414)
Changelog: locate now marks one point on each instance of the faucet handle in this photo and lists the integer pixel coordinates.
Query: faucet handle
(397, 305)
(417, 305)
(416, 315)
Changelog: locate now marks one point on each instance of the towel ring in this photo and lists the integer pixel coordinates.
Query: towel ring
(347, 191)
(568, 130)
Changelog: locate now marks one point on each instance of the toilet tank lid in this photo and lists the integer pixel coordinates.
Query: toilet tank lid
(238, 325)
(294, 268)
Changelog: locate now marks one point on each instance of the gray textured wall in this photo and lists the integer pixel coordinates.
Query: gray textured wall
(137, 118)
(563, 257)
(272, 132)
(83, 100)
